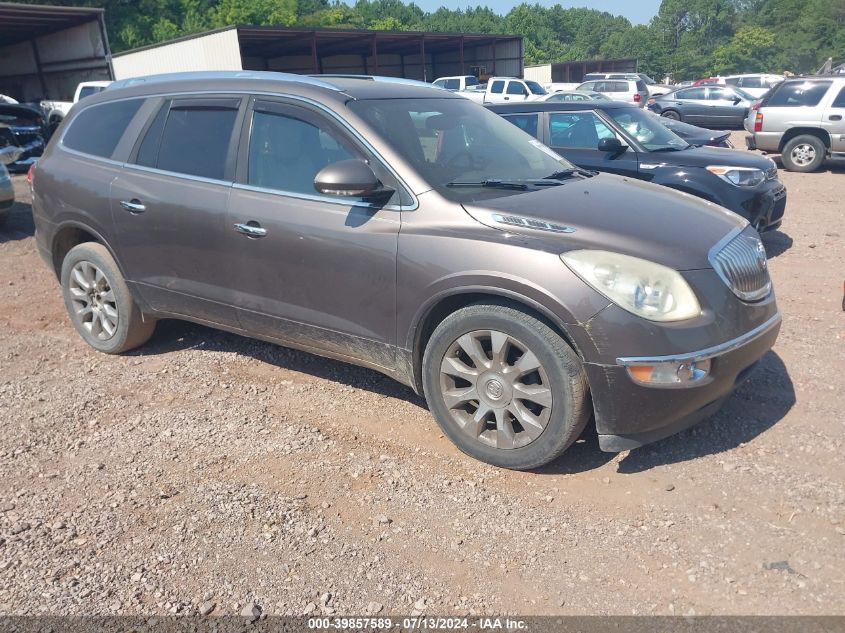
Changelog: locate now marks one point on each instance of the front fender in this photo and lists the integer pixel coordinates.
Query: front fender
(682, 179)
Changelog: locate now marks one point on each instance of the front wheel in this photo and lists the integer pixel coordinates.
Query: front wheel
(804, 153)
(99, 303)
(504, 386)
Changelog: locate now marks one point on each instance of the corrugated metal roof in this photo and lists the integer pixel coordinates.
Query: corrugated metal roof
(22, 22)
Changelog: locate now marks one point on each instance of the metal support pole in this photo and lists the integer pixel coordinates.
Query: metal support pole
(495, 46)
(375, 54)
(315, 60)
(461, 55)
(422, 57)
(38, 68)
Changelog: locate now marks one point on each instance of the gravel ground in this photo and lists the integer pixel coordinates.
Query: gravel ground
(210, 473)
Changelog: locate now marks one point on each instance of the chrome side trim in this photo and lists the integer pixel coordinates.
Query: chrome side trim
(346, 202)
(710, 352)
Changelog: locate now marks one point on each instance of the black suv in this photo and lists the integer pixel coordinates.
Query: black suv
(615, 137)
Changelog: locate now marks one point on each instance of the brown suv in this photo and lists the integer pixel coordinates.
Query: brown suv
(407, 229)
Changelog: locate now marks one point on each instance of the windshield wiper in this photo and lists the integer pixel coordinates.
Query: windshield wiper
(492, 183)
(671, 149)
(571, 171)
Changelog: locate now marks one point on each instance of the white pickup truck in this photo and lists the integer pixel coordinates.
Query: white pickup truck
(57, 110)
(506, 90)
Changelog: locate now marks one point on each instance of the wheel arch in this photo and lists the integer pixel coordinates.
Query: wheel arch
(822, 135)
(448, 302)
(70, 234)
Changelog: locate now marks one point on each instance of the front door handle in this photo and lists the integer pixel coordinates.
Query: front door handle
(251, 229)
(134, 206)
(835, 117)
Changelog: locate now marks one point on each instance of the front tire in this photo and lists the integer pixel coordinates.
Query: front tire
(804, 153)
(99, 303)
(504, 386)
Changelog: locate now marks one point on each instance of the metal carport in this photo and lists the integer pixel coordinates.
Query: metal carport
(45, 51)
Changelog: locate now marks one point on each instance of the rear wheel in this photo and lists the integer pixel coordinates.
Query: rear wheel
(804, 153)
(504, 386)
(671, 114)
(99, 303)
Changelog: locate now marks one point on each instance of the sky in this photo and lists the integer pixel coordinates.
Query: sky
(637, 11)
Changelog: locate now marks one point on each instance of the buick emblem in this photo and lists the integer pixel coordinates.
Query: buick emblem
(495, 389)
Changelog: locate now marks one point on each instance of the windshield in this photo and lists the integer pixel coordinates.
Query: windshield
(740, 92)
(452, 141)
(19, 117)
(646, 130)
(536, 88)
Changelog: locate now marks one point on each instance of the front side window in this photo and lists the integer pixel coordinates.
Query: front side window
(287, 151)
(97, 130)
(752, 82)
(471, 81)
(497, 87)
(453, 84)
(515, 88)
(450, 141)
(535, 88)
(525, 122)
(195, 137)
(647, 130)
(695, 93)
(839, 102)
(719, 94)
(87, 91)
(578, 130)
(439, 83)
(795, 94)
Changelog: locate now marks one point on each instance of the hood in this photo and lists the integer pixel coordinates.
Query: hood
(617, 214)
(704, 156)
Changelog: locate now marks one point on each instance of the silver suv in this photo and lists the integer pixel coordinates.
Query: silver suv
(801, 119)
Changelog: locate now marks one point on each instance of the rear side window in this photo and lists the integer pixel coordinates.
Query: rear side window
(497, 87)
(525, 122)
(796, 93)
(452, 84)
(752, 82)
(97, 130)
(839, 102)
(191, 138)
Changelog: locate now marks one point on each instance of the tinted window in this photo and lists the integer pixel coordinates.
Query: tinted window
(798, 93)
(577, 130)
(471, 81)
(839, 102)
(453, 84)
(196, 138)
(440, 83)
(719, 94)
(590, 85)
(525, 122)
(752, 82)
(497, 87)
(87, 91)
(690, 93)
(97, 130)
(641, 87)
(148, 152)
(732, 81)
(286, 152)
(515, 88)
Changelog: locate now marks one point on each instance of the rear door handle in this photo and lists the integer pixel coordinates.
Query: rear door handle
(134, 206)
(251, 229)
(835, 117)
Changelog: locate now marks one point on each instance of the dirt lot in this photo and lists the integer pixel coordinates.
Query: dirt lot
(207, 471)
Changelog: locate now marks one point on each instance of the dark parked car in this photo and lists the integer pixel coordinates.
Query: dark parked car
(695, 135)
(26, 126)
(622, 139)
(409, 230)
(710, 105)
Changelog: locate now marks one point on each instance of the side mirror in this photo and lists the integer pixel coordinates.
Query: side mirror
(353, 178)
(736, 100)
(612, 145)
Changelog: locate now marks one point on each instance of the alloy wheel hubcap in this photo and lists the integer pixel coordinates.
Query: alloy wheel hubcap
(803, 154)
(496, 389)
(93, 300)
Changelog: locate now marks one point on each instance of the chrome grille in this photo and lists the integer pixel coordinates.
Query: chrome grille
(741, 263)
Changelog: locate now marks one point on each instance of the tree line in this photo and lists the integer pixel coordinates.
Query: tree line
(687, 38)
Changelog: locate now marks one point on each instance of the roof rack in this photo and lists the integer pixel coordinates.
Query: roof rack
(379, 78)
(223, 74)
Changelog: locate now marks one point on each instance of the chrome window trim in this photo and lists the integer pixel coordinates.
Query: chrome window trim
(346, 202)
(177, 174)
(94, 105)
(705, 354)
(415, 204)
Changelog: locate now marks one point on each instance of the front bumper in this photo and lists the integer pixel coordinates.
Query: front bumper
(765, 205)
(644, 414)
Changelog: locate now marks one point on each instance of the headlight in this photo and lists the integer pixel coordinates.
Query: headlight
(739, 176)
(649, 290)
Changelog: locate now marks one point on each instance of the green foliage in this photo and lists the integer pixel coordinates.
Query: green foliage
(688, 38)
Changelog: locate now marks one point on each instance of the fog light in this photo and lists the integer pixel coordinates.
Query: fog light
(671, 373)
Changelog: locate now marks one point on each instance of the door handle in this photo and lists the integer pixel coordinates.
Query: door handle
(251, 229)
(134, 206)
(835, 117)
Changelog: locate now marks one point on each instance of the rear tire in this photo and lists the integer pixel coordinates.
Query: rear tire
(804, 153)
(671, 114)
(99, 303)
(517, 399)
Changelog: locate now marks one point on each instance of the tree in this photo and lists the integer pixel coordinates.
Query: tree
(751, 49)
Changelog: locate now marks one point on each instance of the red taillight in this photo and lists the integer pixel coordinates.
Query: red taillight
(756, 105)
(758, 122)
(30, 174)
(637, 97)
